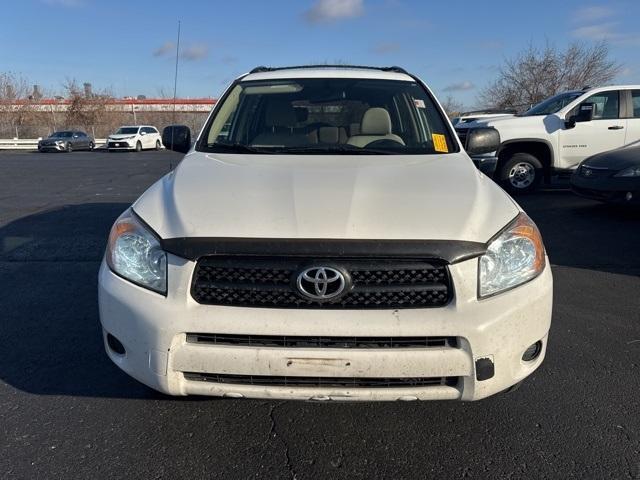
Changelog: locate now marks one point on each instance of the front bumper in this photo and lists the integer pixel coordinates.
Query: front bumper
(153, 330)
(607, 189)
(486, 163)
(119, 145)
(51, 148)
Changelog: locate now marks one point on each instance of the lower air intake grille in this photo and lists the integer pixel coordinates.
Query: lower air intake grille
(321, 341)
(342, 382)
(270, 282)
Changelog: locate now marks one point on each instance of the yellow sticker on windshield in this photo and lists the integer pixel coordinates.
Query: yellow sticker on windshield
(440, 143)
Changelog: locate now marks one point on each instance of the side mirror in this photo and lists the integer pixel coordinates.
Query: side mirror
(177, 138)
(482, 140)
(584, 114)
(143, 133)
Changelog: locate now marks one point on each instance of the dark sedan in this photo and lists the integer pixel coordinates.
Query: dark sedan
(612, 177)
(66, 141)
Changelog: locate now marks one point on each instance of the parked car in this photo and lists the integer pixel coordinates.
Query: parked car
(66, 141)
(486, 114)
(135, 137)
(334, 242)
(556, 135)
(612, 177)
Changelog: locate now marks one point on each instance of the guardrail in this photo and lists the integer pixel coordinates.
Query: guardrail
(32, 143)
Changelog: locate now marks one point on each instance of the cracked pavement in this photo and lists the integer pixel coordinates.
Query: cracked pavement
(67, 412)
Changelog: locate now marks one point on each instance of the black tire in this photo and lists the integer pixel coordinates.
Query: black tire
(157, 144)
(69, 147)
(91, 146)
(138, 147)
(521, 173)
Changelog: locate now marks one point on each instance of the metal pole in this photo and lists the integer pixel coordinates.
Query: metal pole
(175, 82)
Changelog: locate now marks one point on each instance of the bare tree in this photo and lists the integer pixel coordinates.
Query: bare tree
(452, 107)
(88, 111)
(537, 73)
(16, 109)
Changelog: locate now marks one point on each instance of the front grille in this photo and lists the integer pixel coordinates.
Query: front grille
(320, 341)
(270, 282)
(593, 173)
(462, 135)
(118, 145)
(341, 382)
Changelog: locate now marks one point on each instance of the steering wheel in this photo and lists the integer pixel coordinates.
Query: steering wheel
(384, 142)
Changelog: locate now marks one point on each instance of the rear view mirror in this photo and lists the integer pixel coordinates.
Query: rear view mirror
(177, 138)
(584, 114)
(482, 140)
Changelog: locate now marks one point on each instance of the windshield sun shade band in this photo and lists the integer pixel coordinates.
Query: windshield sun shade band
(450, 251)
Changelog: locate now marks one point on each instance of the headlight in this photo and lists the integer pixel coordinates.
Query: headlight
(514, 257)
(629, 172)
(134, 253)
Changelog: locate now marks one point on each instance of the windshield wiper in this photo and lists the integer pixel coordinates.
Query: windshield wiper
(343, 149)
(237, 148)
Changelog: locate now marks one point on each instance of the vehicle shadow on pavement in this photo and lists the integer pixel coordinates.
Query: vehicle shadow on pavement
(582, 233)
(49, 333)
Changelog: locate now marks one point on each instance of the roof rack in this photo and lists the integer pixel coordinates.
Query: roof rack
(362, 67)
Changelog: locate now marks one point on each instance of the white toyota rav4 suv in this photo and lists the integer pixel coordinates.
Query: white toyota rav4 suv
(135, 137)
(327, 238)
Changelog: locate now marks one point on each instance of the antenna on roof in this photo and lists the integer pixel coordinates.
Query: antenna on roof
(175, 82)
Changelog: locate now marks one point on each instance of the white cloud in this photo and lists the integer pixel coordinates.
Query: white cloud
(459, 87)
(326, 11)
(196, 51)
(608, 31)
(592, 13)
(166, 48)
(386, 48)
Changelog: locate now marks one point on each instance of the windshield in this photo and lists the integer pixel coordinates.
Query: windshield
(327, 115)
(61, 134)
(553, 104)
(127, 130)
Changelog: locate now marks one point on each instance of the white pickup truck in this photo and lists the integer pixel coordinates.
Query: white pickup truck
(557, 134)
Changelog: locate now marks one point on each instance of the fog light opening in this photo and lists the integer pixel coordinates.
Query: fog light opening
(532, 352)
(115, 345)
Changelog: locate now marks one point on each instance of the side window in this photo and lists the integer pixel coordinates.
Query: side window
(606, 105)
(635, 99)
(144, 130)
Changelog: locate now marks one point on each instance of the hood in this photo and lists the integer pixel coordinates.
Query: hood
(121, 136)
(618, 159)
(439, 197)
(506, 120)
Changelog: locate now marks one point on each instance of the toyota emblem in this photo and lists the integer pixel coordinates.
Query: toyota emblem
(321, 283)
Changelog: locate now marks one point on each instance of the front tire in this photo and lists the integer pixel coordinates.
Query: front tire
(91, 146)
(138, 147)
(69, 148)
(521, 173)
(157, 144)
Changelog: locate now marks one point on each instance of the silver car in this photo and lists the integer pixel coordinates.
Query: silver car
(66, 141)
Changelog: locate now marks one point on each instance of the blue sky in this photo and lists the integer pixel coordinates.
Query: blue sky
(455, 46)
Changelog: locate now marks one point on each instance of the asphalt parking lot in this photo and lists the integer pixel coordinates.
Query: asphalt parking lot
(67, 412)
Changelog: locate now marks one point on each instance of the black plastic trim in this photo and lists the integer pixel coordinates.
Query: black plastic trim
(262, 68)
(450, 251)
(485, 369)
